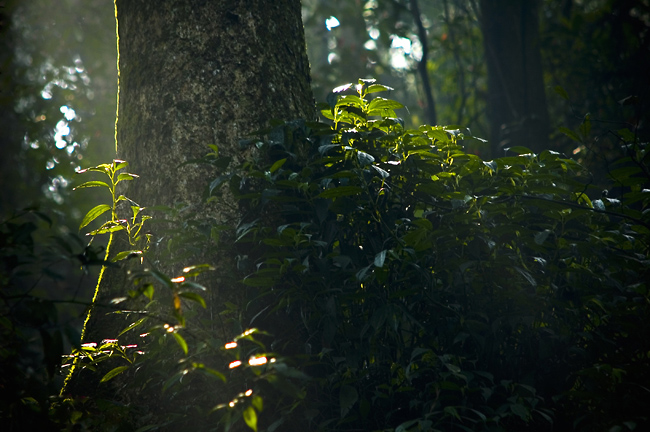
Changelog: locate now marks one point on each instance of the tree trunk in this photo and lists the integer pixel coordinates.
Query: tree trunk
(193, 73)
(516, 100)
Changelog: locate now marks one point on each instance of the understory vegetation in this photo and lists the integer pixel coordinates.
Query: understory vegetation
(376, 278)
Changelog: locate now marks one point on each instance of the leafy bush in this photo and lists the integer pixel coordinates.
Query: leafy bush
(401, 283)
(40, 296)
(438, 291)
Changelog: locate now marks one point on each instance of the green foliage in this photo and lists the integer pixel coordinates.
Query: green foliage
(37, 312)
(401, 284)
(436, 290)
(132, 226)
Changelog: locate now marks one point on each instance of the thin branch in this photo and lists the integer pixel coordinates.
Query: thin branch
(422, 64)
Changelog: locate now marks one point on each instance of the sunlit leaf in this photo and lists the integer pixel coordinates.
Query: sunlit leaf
(250, 417)
(342, 88)
(133, 325)
(380, 103)
(126, 254)
(181, 342)
(120, 164)
(125, 176)
(113, 373)
(108, 227)
(374, 88)
(93, 183)
(277, 164)
(94, 213)
(351, 100)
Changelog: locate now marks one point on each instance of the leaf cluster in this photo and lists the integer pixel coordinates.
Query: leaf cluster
(435, 290)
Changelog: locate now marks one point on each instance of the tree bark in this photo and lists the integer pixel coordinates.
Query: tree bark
(193, 73)
(516, 100)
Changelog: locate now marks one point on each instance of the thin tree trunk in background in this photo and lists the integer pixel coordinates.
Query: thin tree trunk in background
(432, 117)
(516, 100)
(193, 73)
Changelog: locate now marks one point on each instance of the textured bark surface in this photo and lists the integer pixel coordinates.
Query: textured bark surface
(516, 99)
(194, 73)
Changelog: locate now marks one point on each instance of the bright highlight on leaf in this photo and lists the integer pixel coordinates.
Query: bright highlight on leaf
(178, 279)
(257, 361)
(234, 364)
(231, 345)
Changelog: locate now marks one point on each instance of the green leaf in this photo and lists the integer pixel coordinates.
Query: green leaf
(406, 426)
(190, 284)
(521, 411)
(161, 278)
(519, 150)
(125, 176)
(133, 325)
(250, 417)
(113, 373)
(93, 214)
(383, 173)
(126, 254)
(491, 164)
(258, 403)
(374, 88)
(364, 158)
(103, 168)
(194, 297)
(148, 290)
(108, 227)
(211, 372)
(541, 236)
(348, 396)
(563, 94)
(571, 134)
(276, 166)
(380, 103)
(380, 258)
(120, 164)
(94, 183)
(352, 100)
(340, 191)
(181, 342)
(531, 280)
(450, 410)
